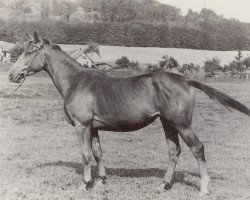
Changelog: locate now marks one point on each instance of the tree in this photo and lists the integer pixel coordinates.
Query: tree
(238, 65)
(189, 68)
(134, 66)
(45, 10)
(238, 58)
(246, 62)
(123, 62)
(64, 11)
(154, 68)
(16, 52)
(118, 10)
(92, 48)
(55, 8)
(168, 63)
(210, 66)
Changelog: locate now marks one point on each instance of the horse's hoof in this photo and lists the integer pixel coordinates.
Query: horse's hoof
(163, 187)
(89, 185)
(86, 186)
(167, 186)
(203, 193)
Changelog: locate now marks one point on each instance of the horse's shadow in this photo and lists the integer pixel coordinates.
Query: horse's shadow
(179, 176)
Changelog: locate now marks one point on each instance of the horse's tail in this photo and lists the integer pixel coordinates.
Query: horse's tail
(224, 99)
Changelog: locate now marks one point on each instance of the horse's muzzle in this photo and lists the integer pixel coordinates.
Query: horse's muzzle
(17, 78)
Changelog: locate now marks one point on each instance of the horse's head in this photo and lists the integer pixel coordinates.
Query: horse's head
(32, 60)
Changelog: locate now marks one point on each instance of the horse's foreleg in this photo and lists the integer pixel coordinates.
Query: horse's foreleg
(97, 152)
(198, 151)
(174, 151)
(84, 138)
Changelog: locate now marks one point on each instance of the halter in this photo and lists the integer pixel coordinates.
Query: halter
(37, 51)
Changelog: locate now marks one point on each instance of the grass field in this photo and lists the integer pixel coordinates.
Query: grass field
(40, 159)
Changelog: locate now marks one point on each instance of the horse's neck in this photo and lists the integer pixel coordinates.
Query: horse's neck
(62, 70)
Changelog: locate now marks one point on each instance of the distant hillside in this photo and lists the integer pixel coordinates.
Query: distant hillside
(143, 23)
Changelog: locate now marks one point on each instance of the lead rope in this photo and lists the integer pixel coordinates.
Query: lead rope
(8, 95)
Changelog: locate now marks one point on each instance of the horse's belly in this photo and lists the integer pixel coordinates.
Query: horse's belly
(123, 125)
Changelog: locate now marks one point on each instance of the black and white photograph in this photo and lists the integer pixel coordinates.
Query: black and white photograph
(124, 99)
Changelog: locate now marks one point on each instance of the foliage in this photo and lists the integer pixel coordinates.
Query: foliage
(122, 62)
(189, 68)
(143, 23)
(78, 15)
(238, 65)
(154, 68)
(134, 66)
(212, 65)
(168, 63)
(92, 48)
(45, 10)
(64, 11)
(16, 52)
(246, 62)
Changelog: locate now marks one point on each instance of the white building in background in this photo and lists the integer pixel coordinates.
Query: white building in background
(5, 51)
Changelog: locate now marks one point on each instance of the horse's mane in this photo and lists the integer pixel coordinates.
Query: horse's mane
(56, 47)
(53, 46)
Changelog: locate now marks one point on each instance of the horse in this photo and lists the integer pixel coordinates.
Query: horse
(81, 56)
(95, 101)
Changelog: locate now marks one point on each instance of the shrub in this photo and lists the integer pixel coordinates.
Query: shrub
(154, 68)
(212, 65)
(123, 62)
(168, 63)
(246, 62)
(238, 65)
(190, 68)
(134, 65)
(16, 52)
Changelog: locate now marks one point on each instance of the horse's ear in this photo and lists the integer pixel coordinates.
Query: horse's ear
(36, 37)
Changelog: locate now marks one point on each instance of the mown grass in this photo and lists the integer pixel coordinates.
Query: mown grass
(40, 159)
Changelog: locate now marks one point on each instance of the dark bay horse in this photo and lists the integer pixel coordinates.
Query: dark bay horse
(95, 101)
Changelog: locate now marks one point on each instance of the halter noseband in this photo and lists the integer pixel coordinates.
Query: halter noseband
(38, 48)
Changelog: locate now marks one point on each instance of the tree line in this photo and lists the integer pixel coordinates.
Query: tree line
(144, 23)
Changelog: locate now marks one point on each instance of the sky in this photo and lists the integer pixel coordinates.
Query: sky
(239, 9)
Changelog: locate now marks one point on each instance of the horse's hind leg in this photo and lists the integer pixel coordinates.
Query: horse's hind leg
(174, 149)
(97, 153)
(198, 151)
